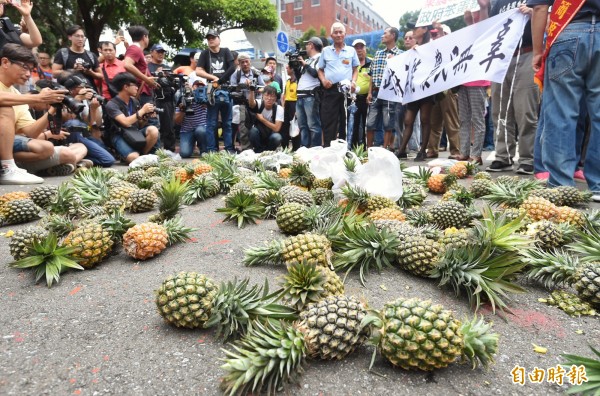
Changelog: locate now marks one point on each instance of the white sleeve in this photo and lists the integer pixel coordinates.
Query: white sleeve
(279, 116)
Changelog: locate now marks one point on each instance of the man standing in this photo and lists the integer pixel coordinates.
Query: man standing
(76, 58)
(307, 104)
(246, 76)
(569, 69)
(362, 86)
(338, 62)
(216, 65)
(515, 106)
(165, 99)
(379, 109)
(135, 63)
(110, 68)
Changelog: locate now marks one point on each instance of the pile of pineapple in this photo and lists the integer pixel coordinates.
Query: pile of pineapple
(478, 239)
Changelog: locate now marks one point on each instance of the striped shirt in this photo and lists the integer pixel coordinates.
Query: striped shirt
(379, 63)
(193, 121)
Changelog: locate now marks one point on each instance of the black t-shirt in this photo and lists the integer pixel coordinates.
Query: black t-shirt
(219, 64)
(116, 107)
(501, 6)
(86, 57)
(591, 7)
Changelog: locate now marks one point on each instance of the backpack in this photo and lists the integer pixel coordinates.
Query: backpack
(64, 54)
(9, 33)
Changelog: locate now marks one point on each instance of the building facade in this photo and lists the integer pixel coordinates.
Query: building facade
(357, 15)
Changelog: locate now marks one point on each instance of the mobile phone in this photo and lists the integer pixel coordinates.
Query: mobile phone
(120, 33)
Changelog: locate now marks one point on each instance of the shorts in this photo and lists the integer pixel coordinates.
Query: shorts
(386, 109)
(121, 146)
(20, 144)
(53, 160)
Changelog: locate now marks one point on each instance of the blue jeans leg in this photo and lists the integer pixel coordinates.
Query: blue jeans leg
(274, 140)
(226, 108)
(212, 118)
(538, 165)
(254, 135)
(302, 119)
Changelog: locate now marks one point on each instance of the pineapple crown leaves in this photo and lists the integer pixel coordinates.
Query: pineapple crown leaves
(592, 369)
(225, 171)
(91, 186)
(366, 247)
(480, 344)
(302, 284)
(511, 192)
(587, 244)
(500, 232)
(269, 180)
(48, 259)
(356, 195)
(552, 269)
(242, 208)
(421, 176)
(266, 359)
(270, 202)
(236, 304)
(201, 188)
(170, 197)
(351, 164)
(117, 225)
(482, 272)
(301, 175)
(177, 231)
(271, 253)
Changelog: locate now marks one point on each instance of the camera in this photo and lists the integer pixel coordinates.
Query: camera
(187, 99)
(168, 83)
(84, 64)
(73, 105)
(293, 58)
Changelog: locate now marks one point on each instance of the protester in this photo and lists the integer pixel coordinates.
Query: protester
(76, 58)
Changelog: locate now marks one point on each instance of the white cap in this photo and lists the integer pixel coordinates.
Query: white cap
(192, 78)
(359, 41)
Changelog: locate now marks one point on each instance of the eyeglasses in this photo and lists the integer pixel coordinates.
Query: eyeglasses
(43, 58)
(23, 66)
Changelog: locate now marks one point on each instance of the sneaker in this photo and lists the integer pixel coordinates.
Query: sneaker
(16, 175)
(85, 163)
(579, 176)
(525, 169)
(61, 170)
(596, 197)
(499, 166)
(542, 176)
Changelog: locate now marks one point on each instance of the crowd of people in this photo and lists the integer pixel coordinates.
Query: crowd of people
(79, 109)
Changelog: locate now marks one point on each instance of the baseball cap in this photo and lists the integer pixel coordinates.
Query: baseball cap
(193, 78)
(212, 32)
(316, 42)
(157, 47)
(359, 41)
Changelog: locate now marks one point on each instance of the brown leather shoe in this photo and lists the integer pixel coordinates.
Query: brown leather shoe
(432, 155)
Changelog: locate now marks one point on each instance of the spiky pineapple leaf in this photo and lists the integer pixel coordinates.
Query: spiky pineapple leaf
(176, 230)
(587, 244)
(592, 369)
(552, 269)
(241, 207)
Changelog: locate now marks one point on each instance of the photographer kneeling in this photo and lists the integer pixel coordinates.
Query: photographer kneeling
(267, 118)
(130, 135)
(193, 123)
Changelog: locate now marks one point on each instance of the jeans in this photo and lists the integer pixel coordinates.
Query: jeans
(309, 121)
(188, 139)
(124, 149)
(96, 152)
(212, 120)
(260, 145)
(572, 72)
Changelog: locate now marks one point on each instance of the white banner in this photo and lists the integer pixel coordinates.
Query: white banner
(443, 10)
(482, 51)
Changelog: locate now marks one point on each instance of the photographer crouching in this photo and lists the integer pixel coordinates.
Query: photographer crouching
(192, 118)
(127, 120)
(267, 118)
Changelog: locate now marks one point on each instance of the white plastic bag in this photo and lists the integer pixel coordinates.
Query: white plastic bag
(294, 128)
(143, 160)
(381, 175)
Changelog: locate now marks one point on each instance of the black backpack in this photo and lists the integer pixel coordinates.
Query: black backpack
(9, 33)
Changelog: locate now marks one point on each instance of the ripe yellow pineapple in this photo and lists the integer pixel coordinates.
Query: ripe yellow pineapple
(91, 241)
(145, 240)
(12, 196)
(459, 169)
(439, 184)
(566, 214)
(201, 167)
(284, 173)
(387, 214)
(539, 208)
(184, 174)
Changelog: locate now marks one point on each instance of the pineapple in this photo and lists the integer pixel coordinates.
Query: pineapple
(399, 228)
(314, 249)
(459, 194)
(446, 214)
(19, 211)
(387, 214)
(201, 167)
(142, 201)
(323, 183)
(284, 173)
(416, 334)
(48, 259)
(44, 194)
(151, 171)
(321, 195)
(269, 202)
(291, 218)
(271, 354)
(201, 188)
(302, 197)
(482, 176)
(145, 240)
(546, 235)
(439, 184)
(569, 303)
(539, 208)
(241, 207)
(364, 246)
(305, 283)
(186, 299)
(551, 194)
(512, 192)
(459, 169)
(377, 202)
(12, 196)
(300, 175)
(413, 194)
(121, 192)
(454, 238)
(481, 187)
(570, 216)
(571, 196)
(135, 176)
(418, 255)
(358, 197)
(184, 174)
(588, 283)
(554, 268)
(21, 242)
(91, 241)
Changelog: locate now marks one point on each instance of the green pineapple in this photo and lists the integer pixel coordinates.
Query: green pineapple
(21, 242)
(302, 197)
(588, 282)
(44, 194)
(571, 196)
(481, 187)
(546, 235)
(418, 335)
(455, 238)
(551, 194)
(142, 200)
(321, 195)
(376, 202)
(242, 208)
(135, 176)
(19, 211)
(306, 283)
(48, 259)
(418, 255)
(326, 183)
(446, 214)
(91, 243)
(569, 303)
(291, 218)
(313, 248)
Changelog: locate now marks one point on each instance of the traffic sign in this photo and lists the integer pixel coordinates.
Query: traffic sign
(283, 43)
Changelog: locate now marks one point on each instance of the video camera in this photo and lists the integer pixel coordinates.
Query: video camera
(168, 83)
(293, 57)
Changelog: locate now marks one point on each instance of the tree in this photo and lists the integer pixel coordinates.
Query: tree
(174, 23)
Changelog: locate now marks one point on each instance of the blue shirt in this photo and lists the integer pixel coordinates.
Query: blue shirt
(338, 67)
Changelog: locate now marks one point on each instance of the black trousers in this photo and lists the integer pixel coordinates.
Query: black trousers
(333, 104)
(167, 123)
(360, 120)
